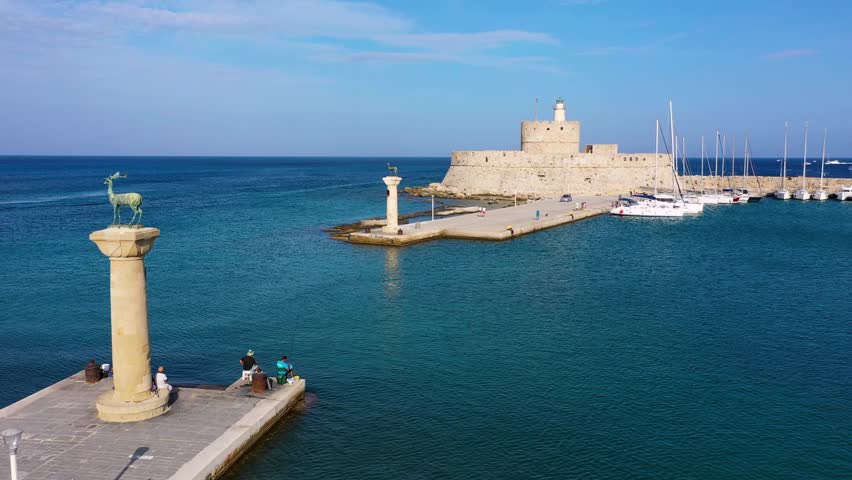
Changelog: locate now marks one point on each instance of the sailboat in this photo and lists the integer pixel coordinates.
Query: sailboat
(693, 203)
(802, 193)
(821, 194)
(782, 193)
(704, 197)
(725, 196)
(743, 196)
(654, 206)
(752, 198)
(736, 197)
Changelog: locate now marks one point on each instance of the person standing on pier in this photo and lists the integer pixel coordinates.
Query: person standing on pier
(249, 364)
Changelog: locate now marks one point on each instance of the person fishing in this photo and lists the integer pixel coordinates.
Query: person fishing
(285, 370)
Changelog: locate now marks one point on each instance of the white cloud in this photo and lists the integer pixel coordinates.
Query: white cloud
(381, 34)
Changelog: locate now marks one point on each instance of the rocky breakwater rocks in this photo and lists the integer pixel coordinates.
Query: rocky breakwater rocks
(442, 191)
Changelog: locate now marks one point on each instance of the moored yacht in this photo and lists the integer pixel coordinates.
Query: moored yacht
(803, 193)
(821, 194)
(845, 193)
(700, 197)
(631, 207)
(649, 205)
(694, 207)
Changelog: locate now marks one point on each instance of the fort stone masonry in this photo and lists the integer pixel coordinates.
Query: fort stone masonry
(551, 162)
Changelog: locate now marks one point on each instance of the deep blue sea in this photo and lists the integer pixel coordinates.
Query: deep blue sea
(716, 346)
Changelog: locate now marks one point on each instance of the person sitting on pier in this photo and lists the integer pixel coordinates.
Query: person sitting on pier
(162, 380)
(285, 370)
(249, 365)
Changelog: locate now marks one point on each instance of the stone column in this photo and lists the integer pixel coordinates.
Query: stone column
(131, 398)
(393, 216)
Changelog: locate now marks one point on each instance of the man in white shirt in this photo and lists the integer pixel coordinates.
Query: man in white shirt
(162, 379)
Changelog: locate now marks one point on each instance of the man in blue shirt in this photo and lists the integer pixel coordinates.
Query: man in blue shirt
(285, 369)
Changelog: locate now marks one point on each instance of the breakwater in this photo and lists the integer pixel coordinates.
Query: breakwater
(757, 184)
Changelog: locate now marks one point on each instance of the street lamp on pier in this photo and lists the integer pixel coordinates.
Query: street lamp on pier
(12, 438)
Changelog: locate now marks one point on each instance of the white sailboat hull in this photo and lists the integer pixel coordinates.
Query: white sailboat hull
(645, 211)
(649, 208)
(782, 194)
(693, 208)
(845, 193)
(802, 195)
(820, 195)
(703, 198)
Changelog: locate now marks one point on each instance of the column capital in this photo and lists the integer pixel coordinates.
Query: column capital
(392, 181)
(124, 243)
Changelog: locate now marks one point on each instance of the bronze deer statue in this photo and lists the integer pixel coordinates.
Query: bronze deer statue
(118, 200)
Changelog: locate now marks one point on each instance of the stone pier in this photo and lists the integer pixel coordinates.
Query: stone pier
(392, 212)
(131, 399)
(199, 438)
(499, 224)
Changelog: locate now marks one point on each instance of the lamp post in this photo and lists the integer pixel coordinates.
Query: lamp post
(433, 208)
(12, 438)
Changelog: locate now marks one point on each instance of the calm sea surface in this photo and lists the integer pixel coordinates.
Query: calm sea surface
(717, 346)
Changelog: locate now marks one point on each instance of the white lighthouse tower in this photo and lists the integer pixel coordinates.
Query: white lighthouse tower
(559, 110)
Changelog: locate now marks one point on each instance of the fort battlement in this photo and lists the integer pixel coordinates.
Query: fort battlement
(550, 162)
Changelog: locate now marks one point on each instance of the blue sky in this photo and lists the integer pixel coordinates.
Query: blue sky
(321, 77)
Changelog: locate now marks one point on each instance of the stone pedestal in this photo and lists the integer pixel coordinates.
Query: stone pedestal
(131, 399)
(392, 215)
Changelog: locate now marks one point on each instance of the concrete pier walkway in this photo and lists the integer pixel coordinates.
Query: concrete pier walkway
(493, 226)
(202, 434)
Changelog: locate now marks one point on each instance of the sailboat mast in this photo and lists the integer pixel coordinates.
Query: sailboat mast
(702, 160)
(784, 165)
(674, 144)
(676, 156)
(745, 166)
(716, 168)
(822, 169)
(805, 158)
(733, 159)
(656, 153)
(724, 145)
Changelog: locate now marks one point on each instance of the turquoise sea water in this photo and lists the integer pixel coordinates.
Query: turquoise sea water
(715, 346)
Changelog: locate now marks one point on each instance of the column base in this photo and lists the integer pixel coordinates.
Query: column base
(112, 410)
(390, 230)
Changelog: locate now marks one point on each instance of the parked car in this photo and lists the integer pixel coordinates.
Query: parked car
(566, 198)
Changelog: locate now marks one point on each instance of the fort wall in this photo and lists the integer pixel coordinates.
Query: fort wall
(550, 163)
(509, 172)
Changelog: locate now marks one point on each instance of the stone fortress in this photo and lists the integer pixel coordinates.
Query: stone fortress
(551, 163)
